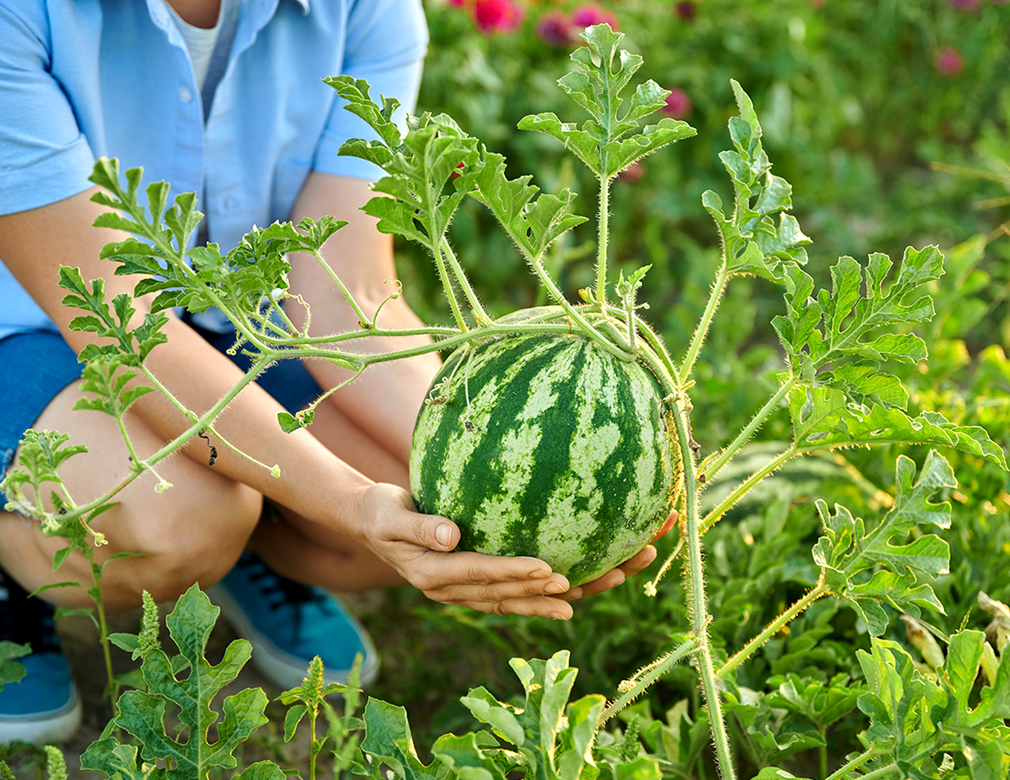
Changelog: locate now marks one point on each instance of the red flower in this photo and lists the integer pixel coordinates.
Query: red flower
(678, 104)
(686, 10)
(495, 16)
(590, 14)
(948, 62)
(555, 28)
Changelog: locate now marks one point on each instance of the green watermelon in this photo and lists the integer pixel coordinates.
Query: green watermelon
(547, 446)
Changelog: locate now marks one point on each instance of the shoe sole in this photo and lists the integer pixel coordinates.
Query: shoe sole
(280, 667)
(45, 728)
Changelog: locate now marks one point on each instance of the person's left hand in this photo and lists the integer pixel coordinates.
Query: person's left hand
(619, 574)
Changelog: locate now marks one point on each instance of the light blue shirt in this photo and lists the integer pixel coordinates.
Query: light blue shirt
(80, 79)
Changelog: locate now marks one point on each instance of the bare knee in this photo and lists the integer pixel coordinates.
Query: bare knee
(190, 544)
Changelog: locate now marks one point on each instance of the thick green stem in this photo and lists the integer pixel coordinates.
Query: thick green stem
(464, 283)
(823, 750)
(314, 748)
(858, 761)
(745, 487)
(450, 294)
(646, 677)
(771, 629)
(734, 446)
(703, 325)
(341, 286)
(698, 605)
(604, 227)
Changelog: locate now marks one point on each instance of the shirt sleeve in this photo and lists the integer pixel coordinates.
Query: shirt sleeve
(44, 156)
(386, 44)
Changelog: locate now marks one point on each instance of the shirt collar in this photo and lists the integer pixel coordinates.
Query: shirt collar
(160, 13)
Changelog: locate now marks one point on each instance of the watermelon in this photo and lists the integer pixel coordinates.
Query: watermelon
(547, 446)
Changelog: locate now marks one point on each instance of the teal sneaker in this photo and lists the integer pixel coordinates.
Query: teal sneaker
(45, 706)
(288, 624)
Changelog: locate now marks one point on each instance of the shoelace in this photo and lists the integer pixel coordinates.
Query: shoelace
(26, 620)
(282, 593)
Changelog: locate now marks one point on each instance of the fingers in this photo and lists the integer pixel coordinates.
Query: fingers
(516, 586)
(418, 546)
(615, 576)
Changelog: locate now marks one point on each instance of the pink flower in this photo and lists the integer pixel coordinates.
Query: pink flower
(687, 10)
(948, 62)
(678, 104)
(590, 14)
(497, 16)
(555, 28)
(456, 3)
(964, 5)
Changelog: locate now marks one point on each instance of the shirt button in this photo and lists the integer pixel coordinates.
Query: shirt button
(185, 95)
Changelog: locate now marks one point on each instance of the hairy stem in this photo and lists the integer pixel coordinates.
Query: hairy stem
(734, 446)
(464, 283)
(604, 237)
(704, 323)
(771, 629)
(200, 424)
(745, 487)
(341, 286)
(646, 677)
(699, 607)
(855, 763)
(450, 294)
(858, 761)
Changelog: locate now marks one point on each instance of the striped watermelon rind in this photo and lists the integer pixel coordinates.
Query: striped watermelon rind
(547, 446)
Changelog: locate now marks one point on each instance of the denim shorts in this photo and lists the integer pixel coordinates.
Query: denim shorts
(38, 365)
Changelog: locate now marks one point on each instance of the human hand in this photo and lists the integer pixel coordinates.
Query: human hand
(619, 574)
(419, 548)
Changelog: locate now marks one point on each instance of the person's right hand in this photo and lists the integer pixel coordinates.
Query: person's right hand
(419, 547)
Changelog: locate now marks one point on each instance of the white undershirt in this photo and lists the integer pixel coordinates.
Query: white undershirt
(209, 47)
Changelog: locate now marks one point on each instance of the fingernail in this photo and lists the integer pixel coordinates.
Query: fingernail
(558, 616)
(443, 535)
(554, 587)
(539, 574)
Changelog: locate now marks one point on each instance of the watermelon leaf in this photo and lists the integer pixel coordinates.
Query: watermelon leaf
(823, 418)
(551, 737)
(840, 324)
(10, 670)
(142, 714)
(915, 719)
(754, 242)
(610, 141)
(849, 548)
(388, 742)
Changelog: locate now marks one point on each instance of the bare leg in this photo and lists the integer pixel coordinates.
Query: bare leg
(192, 532)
